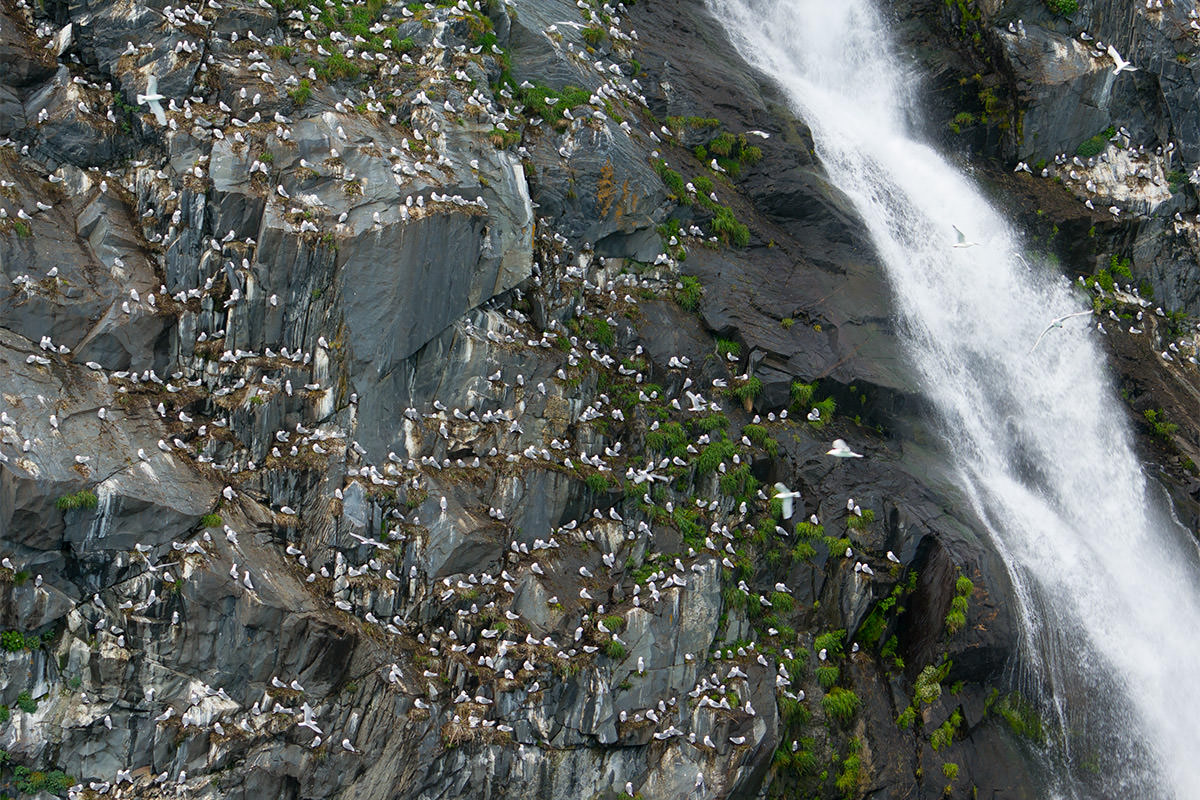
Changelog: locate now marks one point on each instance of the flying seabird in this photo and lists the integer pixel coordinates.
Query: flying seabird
(962, 238)
(152, 99)
(842, 450)
(786, 495)
(1057, 323)
(1120, 64)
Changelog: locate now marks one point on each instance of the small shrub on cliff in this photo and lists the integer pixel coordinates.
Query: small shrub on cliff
(31, 781)
(748, 390)
(726, 228)
(689, 292)
(15, 641)
(840, 704)
(597, 482)
(944, 735)
(928, 686)
(827, 676)
(1095, 145)
(1158, 424)
(832, 642)
(802, 393)
(81, 499)
(593, 35)
(671, 179)
(301, 94)
(851, 777)
(26, 703)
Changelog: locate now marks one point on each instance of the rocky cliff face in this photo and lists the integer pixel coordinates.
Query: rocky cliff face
(400, 419)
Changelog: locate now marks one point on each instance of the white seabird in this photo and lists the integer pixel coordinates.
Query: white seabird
(153, 99)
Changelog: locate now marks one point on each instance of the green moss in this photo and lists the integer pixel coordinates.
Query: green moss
(598, 482)
(827, 408)
(16, 641)
(211, 521)
(614, 650)
(674, 182)
(593, 35)
(1021, 716)
(757, 434)
(803, 551)
(1063, 8)
(857, 523)
(872, 627)
(709, 423)
(739, 483)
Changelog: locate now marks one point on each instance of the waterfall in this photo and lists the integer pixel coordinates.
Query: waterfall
(1105, 577)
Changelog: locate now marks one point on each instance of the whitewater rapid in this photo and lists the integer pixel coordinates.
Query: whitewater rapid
(1106, 579)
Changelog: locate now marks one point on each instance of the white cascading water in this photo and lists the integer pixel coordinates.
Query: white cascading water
(1107, 579)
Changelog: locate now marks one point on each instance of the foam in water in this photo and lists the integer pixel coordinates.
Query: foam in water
(1105, 577)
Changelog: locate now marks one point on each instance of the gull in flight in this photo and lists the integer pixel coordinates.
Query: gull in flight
(842, 450)
(309, 721)
(1057, 323)
(787, 496)
(153, 99)
(1120, 64)
(962, 238)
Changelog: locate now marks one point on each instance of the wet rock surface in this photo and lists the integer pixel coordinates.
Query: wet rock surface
(401, 418)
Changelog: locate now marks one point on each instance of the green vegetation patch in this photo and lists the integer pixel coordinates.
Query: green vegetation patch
(1096, 144)
(85, 498)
